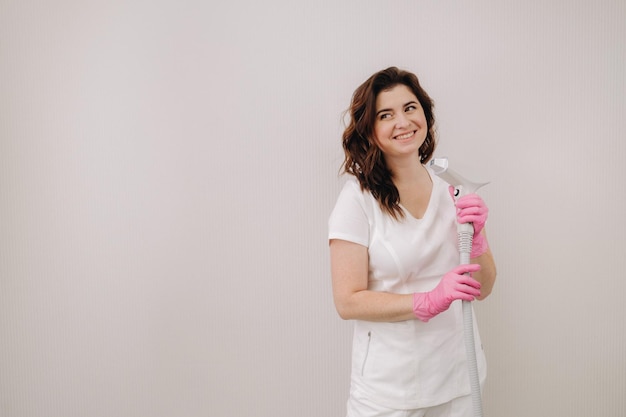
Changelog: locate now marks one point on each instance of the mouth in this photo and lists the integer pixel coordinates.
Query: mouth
(405, 136)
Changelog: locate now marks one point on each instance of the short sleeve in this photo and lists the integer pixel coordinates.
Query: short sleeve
(348, 220)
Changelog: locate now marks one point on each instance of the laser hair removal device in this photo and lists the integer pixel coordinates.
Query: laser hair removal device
(465, 234)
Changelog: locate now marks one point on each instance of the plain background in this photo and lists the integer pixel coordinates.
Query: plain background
(167, 169)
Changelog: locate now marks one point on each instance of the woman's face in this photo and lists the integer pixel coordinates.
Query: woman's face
(400, 127)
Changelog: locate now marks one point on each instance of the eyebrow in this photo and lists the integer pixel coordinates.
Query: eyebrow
(405, 104)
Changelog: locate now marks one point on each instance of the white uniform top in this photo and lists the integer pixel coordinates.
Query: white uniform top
(408, 364)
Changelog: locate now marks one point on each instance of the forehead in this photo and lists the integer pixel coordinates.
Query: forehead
(396, 96)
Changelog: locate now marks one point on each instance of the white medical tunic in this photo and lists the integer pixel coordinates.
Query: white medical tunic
(408, 364)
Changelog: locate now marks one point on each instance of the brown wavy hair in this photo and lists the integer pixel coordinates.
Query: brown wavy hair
(363, 157)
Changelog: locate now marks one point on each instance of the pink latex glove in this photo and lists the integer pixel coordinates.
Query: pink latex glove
(453, 286)
(472, 209)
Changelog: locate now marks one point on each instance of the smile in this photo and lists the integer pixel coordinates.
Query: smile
(405, 136)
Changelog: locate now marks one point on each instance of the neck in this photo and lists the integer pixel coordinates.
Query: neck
(406, 170)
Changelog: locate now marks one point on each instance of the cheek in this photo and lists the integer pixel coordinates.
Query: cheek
(423, 120)
(380, 131)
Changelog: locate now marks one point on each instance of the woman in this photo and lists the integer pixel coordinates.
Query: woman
(394, 258)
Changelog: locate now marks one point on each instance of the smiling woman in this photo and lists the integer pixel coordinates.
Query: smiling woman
(394, 258)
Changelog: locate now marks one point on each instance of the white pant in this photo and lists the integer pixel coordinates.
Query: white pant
(360, 406)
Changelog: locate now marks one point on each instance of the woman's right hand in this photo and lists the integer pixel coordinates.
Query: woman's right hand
(454, 285)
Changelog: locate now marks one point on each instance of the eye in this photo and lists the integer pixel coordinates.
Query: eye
(384, 116)
(410, 108)
(456, 192)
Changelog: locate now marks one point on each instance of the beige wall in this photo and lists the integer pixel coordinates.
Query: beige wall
(167, 170)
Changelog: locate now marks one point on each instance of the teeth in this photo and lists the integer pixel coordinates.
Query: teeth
(405, 136)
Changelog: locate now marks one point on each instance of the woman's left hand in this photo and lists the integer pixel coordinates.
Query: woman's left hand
(472, 209)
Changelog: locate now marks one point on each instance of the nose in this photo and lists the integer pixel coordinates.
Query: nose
(401, 120)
